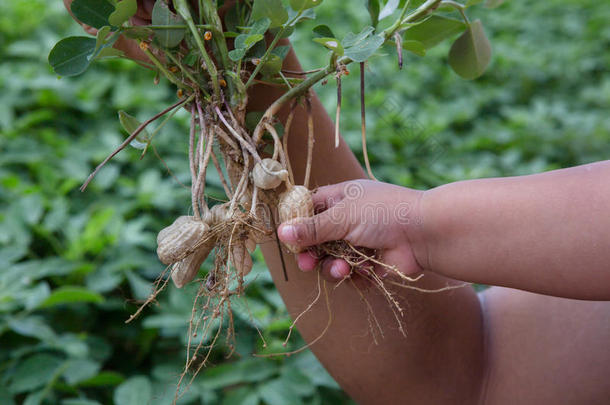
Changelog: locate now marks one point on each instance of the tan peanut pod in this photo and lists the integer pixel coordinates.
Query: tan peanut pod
(185, 270)
(241, 259)
(267, 181)
(176, 240)
(295, 202)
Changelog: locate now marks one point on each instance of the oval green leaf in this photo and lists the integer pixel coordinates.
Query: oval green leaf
(331, 43)
(252, 39)
(415, 47)
(260, 27)
(364, 49)
(434, 30)
(92, 12)
(136, 390)
(69, 294)
(236, 54)
(71, 56)
(373, 8)
(130, 124)
(470, 54)
(162, 15)
(323, 31)
(122, 12)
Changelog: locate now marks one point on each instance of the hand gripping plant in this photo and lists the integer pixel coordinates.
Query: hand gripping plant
(213, 53)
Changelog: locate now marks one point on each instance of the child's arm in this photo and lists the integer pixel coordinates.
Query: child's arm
(547, 233)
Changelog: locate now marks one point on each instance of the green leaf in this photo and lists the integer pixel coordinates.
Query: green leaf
(275, 392)
(299, 5)
(162, 15)
(331, 43)
(130, 124)
(323, 31)
(32, 326)
(100, 38)
(252, 39)
(236, 54)
(71, 56)
(92, 12)
(470, 54)
(260, 27)
(34, 372)
(415, 47)
(71, 294)
(244, 371)
(241, 396)
(470, 3)
(78, 370)
(388, 9)
(136, 390)
(105, 378)
(298, 382)
(434, 30)
(272, 9)
(122, 12)
(352, 39)
(373, 9)
(359, 47)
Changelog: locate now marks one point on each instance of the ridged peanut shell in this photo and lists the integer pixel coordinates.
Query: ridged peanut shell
(181, 237)
(295, 203)
(185, 270)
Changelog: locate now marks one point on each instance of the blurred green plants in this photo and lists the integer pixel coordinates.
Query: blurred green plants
(74, 265)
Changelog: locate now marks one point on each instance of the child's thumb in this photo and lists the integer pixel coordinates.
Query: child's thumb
(304, 232)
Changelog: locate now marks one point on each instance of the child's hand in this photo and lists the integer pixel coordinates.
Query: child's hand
(365, 213)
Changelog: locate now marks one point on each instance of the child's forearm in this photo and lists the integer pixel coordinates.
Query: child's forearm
(547, 233)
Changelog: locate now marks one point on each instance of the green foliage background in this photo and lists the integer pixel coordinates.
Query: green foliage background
(72, 265)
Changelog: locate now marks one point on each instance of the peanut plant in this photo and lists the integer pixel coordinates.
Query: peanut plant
(214, 52)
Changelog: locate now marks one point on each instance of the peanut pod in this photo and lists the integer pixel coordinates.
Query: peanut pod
(180, 238)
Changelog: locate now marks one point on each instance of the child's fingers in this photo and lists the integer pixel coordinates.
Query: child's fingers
(307, 261)
(335, 269)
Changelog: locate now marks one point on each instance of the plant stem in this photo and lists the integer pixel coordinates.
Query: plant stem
(211, 16)
(270, 48)
(183, 9)
(265, 56)
(186, 72)
(363, 124)
(170, 76)
(459, 7)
